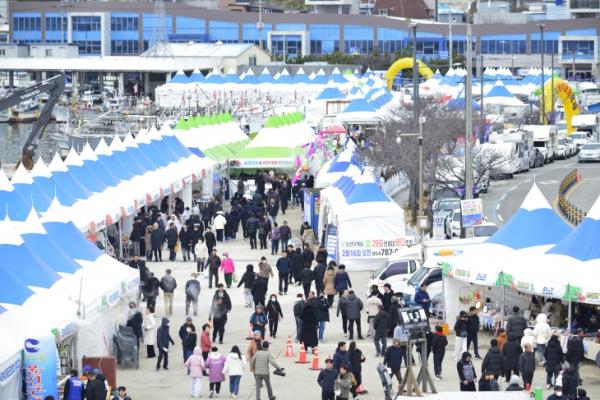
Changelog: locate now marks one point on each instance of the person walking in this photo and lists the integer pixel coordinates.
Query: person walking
(264, 227)
(151, 290)
(218, 317)
(248, 280)
(201, 252)
(259, 291)
(275, 238)
(326, 380)
(353, 307)
(171, 236)
(342, 280)
(438, 348)
(466, 373)
(205, 342)
(168, 284)
(219, 225)
(196, 366)
(258, 320)
(473, 331)
(149, 327)
(343, 383)
(235, 363)
(493, 362)
(373, 303)
(74, 388)
(228, 268)
(322, 309)
(342, 309)
(310, 322)
(192, 291)
(511, 351)
(422, 299)
(298, 306)
(95, 388)
(283, 267)
(527, 365)
(393, 360)
(163, 338)
(274, 314)
(329, 284)
(213, 263)
(215, 364)
(264, 269)
(460, 328)
(307, 276)
(184, 331)
(357, 358)
(158, 238)
(210, 239)
(252, 230)
(319, 272)
(575, 353)
(381, 324)
(260, 365)
(285, 234)
(185, 241)
(148, 242)
(542, 333)
(253, 346)
(516, 325)
(297, 263)
(554, 356)
(570, 381)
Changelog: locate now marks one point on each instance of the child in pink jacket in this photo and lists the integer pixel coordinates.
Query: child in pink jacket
(228, 268)
(195, 364)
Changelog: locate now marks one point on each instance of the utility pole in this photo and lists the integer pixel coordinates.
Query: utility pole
(481, 113)
(542, 99)
(450, 44)
(552, 84)
(469, 113)
(259, 24)
(416, 100)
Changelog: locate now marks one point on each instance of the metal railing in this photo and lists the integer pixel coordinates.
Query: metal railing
(395, 184)
(572, 213)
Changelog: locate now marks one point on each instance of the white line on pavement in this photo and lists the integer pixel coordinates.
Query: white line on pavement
(500, 218)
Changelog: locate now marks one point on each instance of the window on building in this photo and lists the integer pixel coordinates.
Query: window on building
(390, 40)
(358, 39)
(222, 31)
(580, 49)
(121, 47)
(284, 47)
(56, 28)
(383, 11)
(48, 52)
(252, 34)
(324, 39)
(579, 4)
(503, 46)
(2, 52)
(86, 23)
(27, 28)
(550, 46)
(252, 60)
(128, 23)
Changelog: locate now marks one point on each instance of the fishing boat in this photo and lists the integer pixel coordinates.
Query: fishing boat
(27, 111)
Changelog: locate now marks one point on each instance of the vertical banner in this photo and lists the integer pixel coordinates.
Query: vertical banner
(331, 242)
(39, 367)
(438, 226)
(307, 206)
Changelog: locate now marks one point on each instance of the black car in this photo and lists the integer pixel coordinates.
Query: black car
(538, 158)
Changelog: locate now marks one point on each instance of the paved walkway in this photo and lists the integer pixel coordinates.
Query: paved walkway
(147, 384)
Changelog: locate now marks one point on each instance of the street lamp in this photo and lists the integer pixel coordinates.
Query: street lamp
(419, 135)
(542, 99)
(416, 105)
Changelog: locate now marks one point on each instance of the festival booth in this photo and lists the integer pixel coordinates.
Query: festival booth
(277, 146)
(345, 163)
(362, 225)
(484, 271)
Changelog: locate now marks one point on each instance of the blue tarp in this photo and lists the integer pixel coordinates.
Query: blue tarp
(330, 93)
(358, 105)
(582, 243)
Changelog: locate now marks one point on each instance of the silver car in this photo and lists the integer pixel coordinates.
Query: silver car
(590, 152)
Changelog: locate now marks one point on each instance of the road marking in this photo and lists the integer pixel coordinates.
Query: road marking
(500, 218)
(547, 182)
(498, 207)
(512, 188)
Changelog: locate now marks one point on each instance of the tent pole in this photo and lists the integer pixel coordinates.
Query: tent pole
(503, 302)
(569, 318)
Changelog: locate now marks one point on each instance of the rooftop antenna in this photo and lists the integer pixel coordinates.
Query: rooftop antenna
(159, 43)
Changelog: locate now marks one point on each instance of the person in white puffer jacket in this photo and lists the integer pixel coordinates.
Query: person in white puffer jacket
(528, 338)
(234, 367)
(542, 333)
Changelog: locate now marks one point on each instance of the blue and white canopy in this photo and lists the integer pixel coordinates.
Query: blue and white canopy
(330, 93)
(500, 96)
(344, 164)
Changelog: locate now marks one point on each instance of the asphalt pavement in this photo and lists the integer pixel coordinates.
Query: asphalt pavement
(505, 196)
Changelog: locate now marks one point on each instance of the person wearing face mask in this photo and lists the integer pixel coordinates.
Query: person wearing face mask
(274, 314)
(184, 331)
(558, 394)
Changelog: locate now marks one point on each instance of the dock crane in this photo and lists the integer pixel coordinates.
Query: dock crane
(54, 87)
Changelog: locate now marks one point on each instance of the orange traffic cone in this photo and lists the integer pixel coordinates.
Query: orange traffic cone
(302, 358)
(289, 348)
(361, 390)
(250, 334)
(315, 360)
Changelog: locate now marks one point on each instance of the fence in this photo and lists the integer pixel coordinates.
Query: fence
(573, 214)
(395, 184)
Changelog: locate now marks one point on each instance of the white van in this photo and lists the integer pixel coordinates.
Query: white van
(588, 123)
(396, 271)
(509, 162)
(544, 138)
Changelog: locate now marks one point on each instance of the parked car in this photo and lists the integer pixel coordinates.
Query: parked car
(453, 224)
(485, 229)
(562, 150)
(432, 276)
(538, 158)
(396, 272)
(590, 152)
(571, 146)
(579, 138)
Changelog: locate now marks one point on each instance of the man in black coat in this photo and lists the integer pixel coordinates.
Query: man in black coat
(511, 351)
(310, 322)
(184, 331)
(171, 235)
(306, 277)
(387, 297)
(493, 362)
(150, 290)
(326, 380)
(95, 388)
(259, 291)
(163, 338)
(213, 263)
(307, 255)
(185, 241)
(135, 321)
(322, 309)
(393, 360)
(252, 230)
(575, 351)
(210, 239)
(137, 236)
(516, 325)
(319, 271)
(381, 324)
(473, 330)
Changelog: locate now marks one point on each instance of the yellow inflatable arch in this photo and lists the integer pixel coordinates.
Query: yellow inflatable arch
(563, 91)
(404, 63)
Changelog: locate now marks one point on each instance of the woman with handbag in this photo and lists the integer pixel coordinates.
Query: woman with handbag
(356, 357)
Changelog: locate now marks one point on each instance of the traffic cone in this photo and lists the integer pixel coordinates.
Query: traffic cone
(302, 358)
(289, 348)
(361, 390)
(315, 361)
(250, 334)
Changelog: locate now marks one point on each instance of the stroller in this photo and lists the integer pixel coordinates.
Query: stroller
(126, 346)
